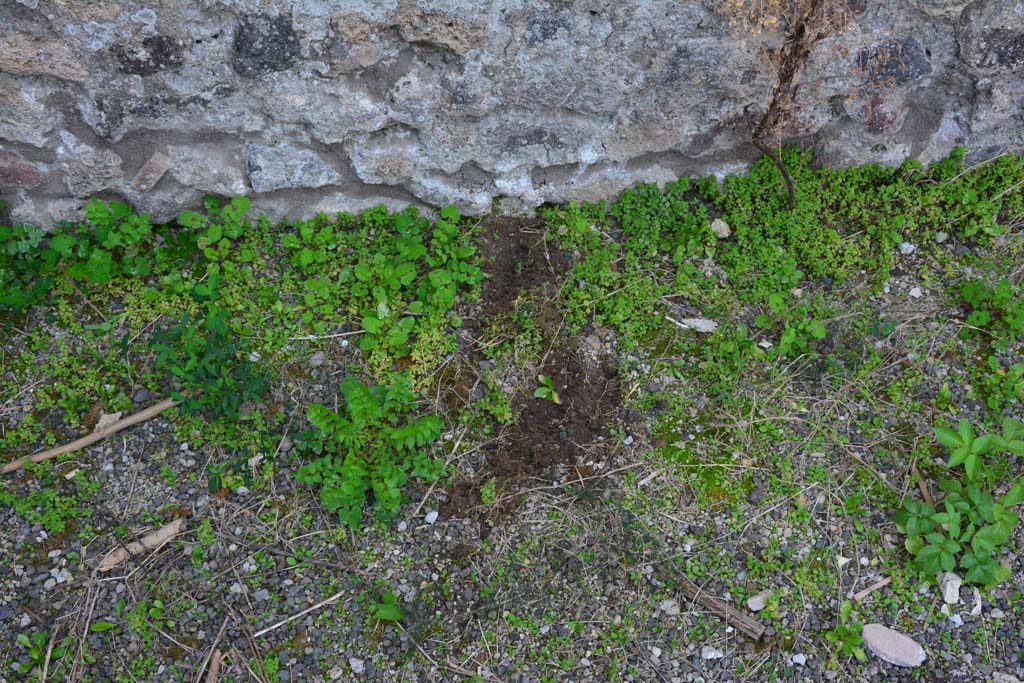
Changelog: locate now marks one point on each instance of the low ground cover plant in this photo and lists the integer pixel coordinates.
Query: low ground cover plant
(971, 524)
(371, 447)
(215, 368)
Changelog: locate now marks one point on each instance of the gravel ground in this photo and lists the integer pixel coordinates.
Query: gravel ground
(571, 573)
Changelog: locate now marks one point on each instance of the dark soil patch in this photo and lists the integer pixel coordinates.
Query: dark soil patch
(545, 435)
(548, 434)
(521, 259)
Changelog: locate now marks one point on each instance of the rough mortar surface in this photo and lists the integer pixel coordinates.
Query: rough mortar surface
(311, 106)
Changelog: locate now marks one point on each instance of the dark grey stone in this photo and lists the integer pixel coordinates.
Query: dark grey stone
(153, 55)
(263, 44)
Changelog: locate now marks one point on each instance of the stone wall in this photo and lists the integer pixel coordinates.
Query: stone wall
(310, 105)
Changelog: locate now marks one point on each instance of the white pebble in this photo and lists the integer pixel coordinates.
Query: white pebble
(708, 652)
(916, 293)
(670, 607)
(798, 659)
(756, 603)
(430, 517)
(907, 248)
(358, 666)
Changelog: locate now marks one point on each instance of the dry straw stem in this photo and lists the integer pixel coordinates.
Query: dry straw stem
(213, 673)
(92, 438)
(150, 541)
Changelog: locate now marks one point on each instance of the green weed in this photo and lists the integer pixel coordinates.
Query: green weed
(375, 445)
(972, 525)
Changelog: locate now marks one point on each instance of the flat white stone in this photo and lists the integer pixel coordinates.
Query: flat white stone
(950, 584)
(892, 646)
(708, 652)
(756, 603)
(703, 325)
(720, 228)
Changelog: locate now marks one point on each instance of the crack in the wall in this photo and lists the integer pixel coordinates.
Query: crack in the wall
(530, 101)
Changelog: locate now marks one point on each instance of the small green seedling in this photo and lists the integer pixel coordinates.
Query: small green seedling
(547, 390)
(848, 633)
(387, 609)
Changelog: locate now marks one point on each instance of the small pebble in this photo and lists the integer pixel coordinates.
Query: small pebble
(430, 517)
(907, 248)
(799, 659)
(720, 229)
(916, 293)
(708, 652)
(358, 666)
(756, 603)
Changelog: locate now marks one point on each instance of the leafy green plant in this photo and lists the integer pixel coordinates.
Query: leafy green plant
(57, 505)
(1001, 384)
(971, 525)
(25, 278)
(798, 327)
(998, 310)
(847, 633)
(398, 282)
(387, 608)
(112, 241)
(35, 646)
(213, 365)
(489, 492)
(546, 390)
(214, 233)
(375, 445)
(389, 279)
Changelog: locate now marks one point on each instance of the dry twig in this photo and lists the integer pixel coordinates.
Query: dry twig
(92, 438)
(301, 614)
(150, 541)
